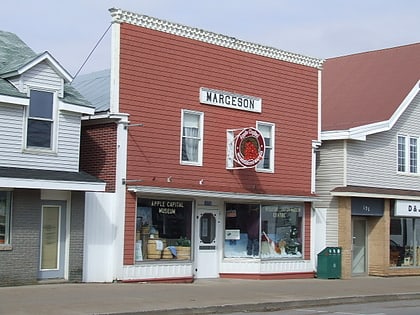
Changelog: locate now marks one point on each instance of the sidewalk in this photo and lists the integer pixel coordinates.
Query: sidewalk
(204, 296)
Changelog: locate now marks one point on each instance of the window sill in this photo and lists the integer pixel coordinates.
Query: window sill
(5, 247)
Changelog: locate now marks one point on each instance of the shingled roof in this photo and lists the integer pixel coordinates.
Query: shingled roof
(367, 88)
(16, 56)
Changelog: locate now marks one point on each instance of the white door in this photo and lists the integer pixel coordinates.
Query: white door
(208, 225)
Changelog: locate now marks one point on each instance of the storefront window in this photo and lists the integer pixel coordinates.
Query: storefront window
(404, 242)
(265, 231)
(163, 229)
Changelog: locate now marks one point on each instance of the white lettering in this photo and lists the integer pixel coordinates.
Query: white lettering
(230, 100)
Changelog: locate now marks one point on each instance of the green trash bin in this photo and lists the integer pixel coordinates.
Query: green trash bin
(329, 263)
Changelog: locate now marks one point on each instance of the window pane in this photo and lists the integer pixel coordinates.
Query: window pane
(50, 237)
(163, 229)
(281, 231)
(5, 202)
(242, 230)
(404, 242)
(41, 104)
(39, 133)
(191, 137)
(401, 154)
(413, 155)
(267, 132)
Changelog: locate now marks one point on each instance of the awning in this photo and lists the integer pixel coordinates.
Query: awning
(13, 177)
(375, 192)
(228, 196)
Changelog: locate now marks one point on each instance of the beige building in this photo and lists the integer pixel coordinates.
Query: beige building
(368, 172)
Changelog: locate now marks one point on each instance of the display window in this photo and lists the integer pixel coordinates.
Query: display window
(263, 231)
(404, 242)
(163, 230)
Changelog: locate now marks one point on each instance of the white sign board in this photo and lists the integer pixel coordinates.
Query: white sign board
(407, 208)
(230, 100)
(232, 235)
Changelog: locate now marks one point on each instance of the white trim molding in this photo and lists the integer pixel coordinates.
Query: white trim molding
(217, 194)
(122, 16)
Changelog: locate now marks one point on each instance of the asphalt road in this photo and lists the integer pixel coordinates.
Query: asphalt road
(403, 307)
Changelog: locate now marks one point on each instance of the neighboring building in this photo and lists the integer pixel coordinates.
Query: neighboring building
(368, 172)
(42, 191)
(179, 142)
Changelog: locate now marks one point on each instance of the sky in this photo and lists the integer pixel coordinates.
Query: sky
(70, 30)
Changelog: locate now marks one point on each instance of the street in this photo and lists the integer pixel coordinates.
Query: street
(403, 307)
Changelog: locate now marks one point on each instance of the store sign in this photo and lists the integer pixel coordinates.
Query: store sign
(407, 208)
(249, 147)
(167, 206)
(230, 100)
(367, 206)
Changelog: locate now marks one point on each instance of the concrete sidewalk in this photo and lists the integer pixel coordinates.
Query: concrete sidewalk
(206, 296)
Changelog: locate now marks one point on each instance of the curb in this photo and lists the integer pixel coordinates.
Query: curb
(275, 306)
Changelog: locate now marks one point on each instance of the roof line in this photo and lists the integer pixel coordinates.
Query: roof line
(122, 16)
(38, 59)
(360, 132)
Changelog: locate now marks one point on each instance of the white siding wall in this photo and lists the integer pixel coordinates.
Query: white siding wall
(330, 174)
(42, 75)
(374, 162)
(12, 130)
(66, 155)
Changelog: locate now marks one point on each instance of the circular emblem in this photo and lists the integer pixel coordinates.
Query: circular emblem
(249, 147)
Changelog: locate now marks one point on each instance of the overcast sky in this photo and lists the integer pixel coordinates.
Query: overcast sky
(70, 29)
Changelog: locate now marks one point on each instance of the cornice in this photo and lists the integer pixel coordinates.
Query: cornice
(122, 16)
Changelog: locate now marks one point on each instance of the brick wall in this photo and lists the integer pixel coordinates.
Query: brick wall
(98, 155)
(20, 265)
(345, 236)
(77, 226)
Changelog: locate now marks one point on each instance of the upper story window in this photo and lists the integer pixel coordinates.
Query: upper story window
(408, 152)
(40, 120)
(267, 130)
(192, 138)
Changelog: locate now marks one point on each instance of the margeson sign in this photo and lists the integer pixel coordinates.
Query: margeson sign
(230, 100)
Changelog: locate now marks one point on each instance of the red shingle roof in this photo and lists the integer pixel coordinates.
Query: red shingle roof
(365, 88)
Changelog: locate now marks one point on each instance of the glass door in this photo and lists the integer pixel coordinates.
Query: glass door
(52, 249)
(359, 251)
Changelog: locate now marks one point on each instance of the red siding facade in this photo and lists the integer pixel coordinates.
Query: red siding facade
(161, 74)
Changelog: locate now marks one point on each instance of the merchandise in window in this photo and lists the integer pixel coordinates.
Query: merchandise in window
(5, 208)
(404, 247)
(40, 119)
(266, 231)
(192, 144)
(163, 230)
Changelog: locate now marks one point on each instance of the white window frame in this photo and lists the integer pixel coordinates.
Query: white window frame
(260, 166)
(53, 120)
(200, 137)
(408, 166)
